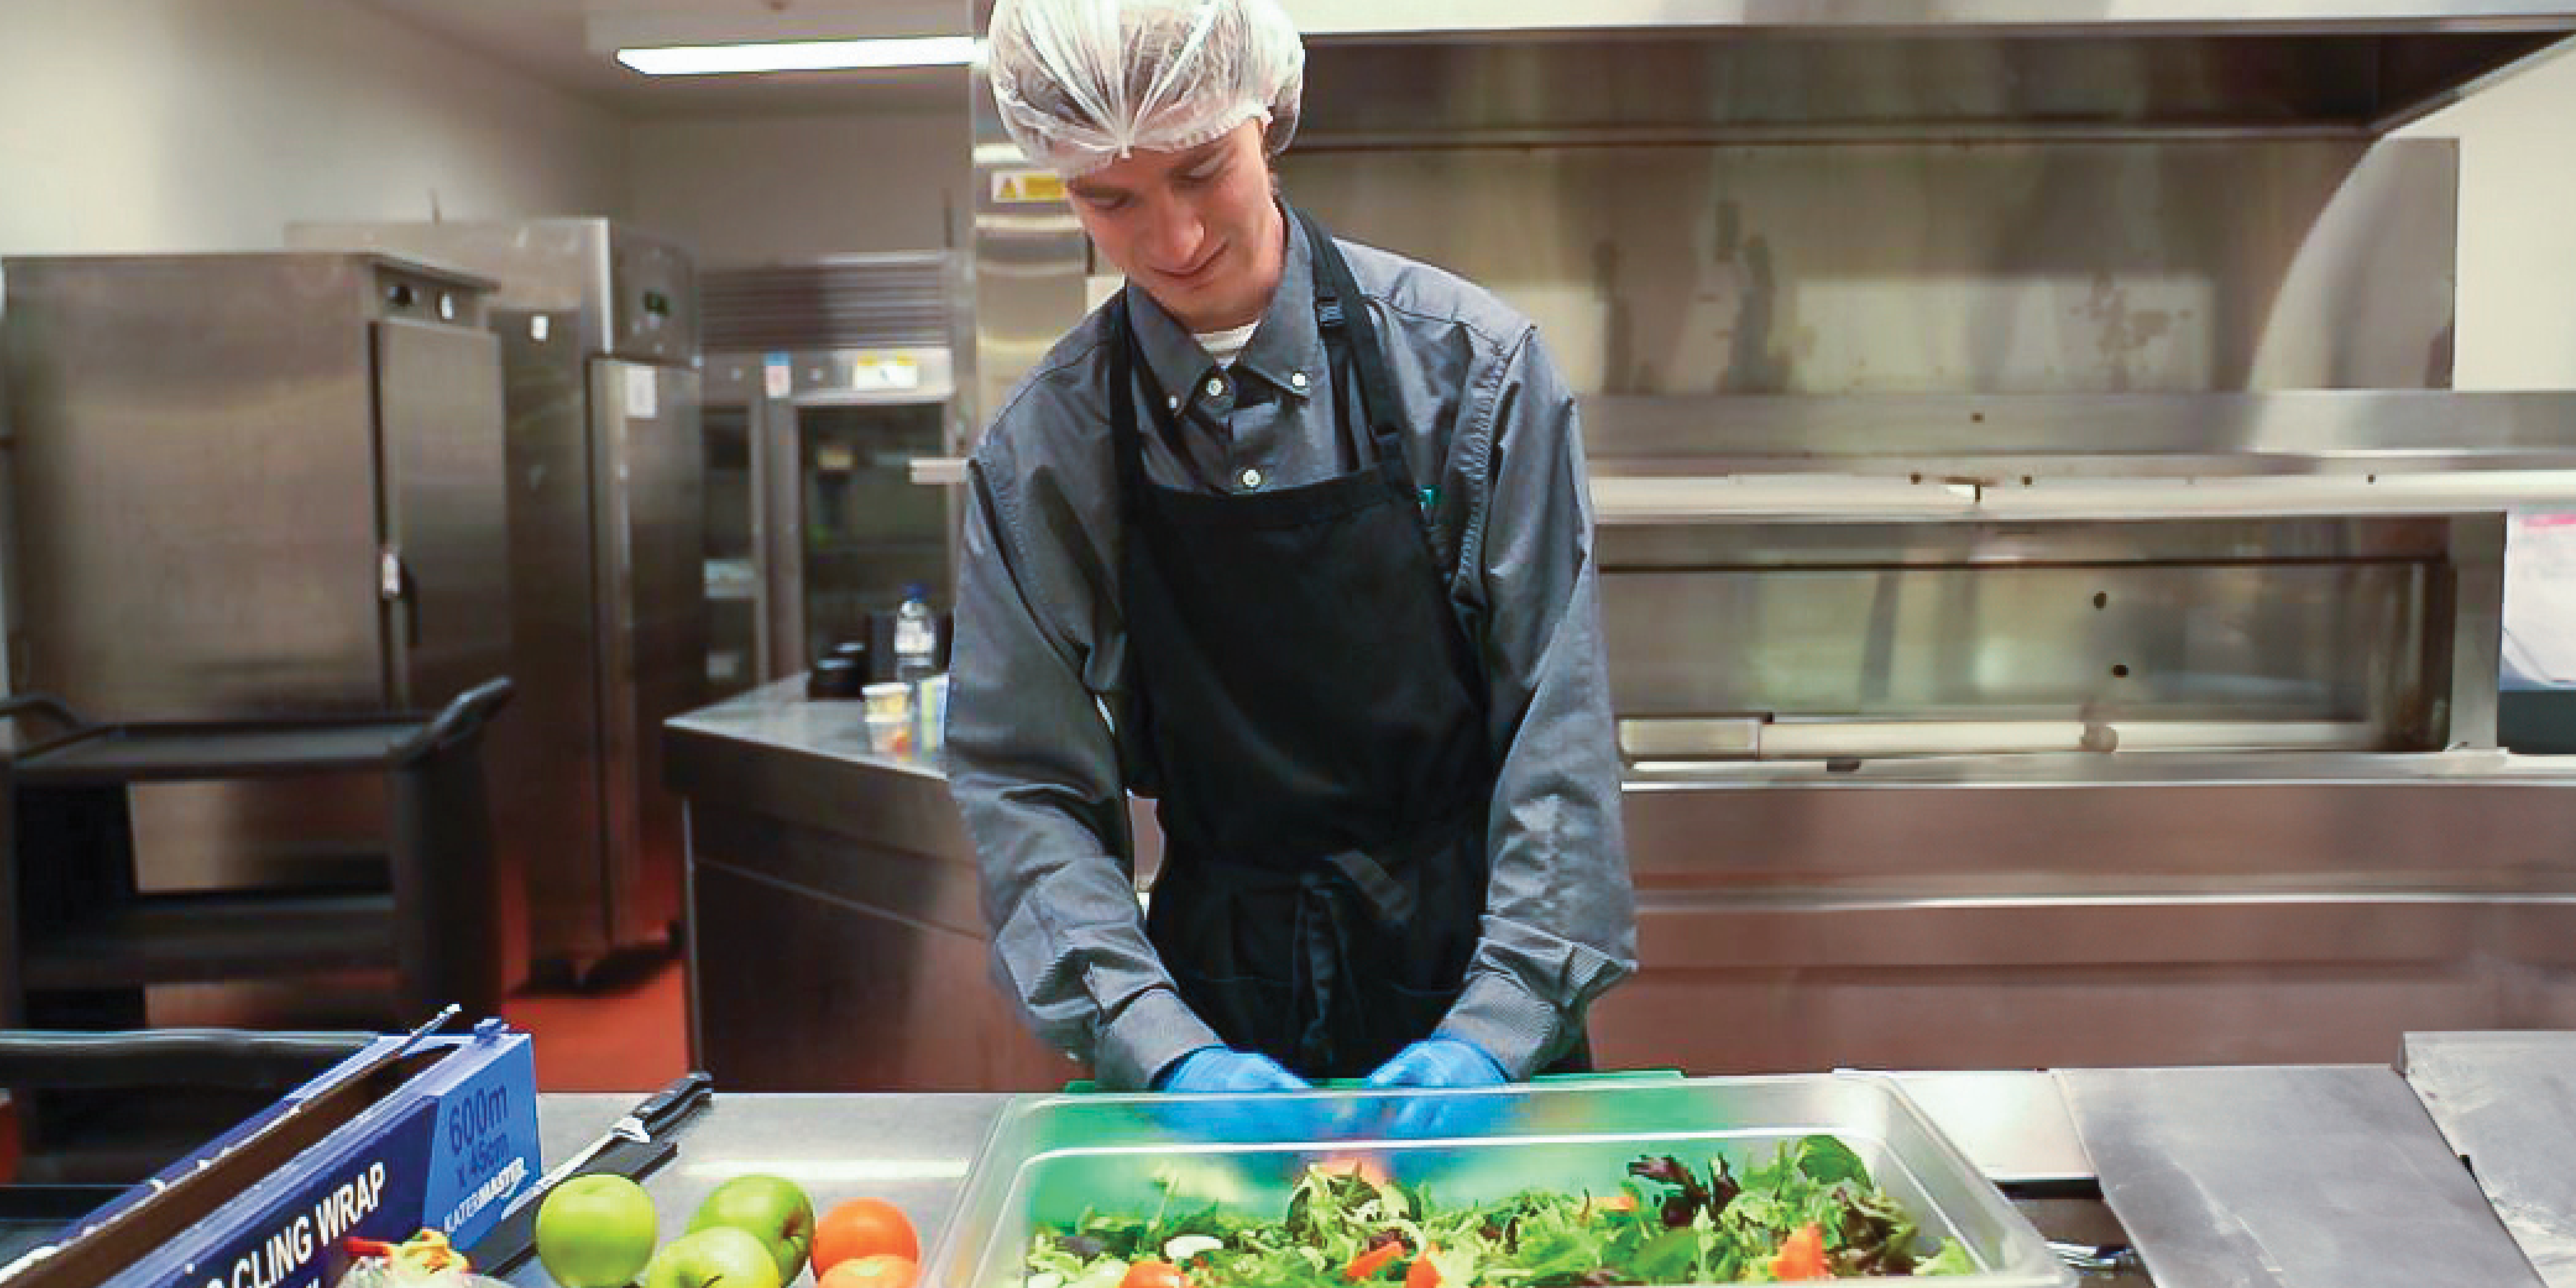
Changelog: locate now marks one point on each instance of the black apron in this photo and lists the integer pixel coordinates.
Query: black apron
(1315, 716)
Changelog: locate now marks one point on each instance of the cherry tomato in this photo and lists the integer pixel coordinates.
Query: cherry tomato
(1153, 1274)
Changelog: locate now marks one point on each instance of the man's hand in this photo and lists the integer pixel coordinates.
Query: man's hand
(1216, 1069)
(1230, 1100)
(1441, 1064)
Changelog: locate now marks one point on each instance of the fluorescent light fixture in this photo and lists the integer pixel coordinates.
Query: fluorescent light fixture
(801, 56)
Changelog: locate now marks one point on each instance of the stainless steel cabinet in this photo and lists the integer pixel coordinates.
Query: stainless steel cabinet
(252, 484)
(598, 333)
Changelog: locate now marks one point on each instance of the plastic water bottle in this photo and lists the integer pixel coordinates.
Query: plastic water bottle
(916, 637)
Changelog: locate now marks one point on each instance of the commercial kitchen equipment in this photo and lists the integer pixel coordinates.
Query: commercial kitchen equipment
(2051, 588)
(597, 325)
(826, 383)
(248, 485)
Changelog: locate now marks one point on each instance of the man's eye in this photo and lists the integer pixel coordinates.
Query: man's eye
(1103, 201)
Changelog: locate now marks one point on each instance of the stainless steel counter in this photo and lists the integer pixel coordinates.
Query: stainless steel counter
(2084, 912)
(2263, 1175)
(836, 941)
(910, 1150)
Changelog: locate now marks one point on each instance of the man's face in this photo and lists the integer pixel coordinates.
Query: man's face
(1197, 229)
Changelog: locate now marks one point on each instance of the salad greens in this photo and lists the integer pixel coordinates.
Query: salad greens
(1808, 1213)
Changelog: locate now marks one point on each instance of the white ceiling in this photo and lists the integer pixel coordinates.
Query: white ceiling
(552, 40)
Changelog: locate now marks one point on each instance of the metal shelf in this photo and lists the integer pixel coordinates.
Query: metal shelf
(184, 938)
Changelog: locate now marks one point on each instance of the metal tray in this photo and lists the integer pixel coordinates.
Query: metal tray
(1050, 1157)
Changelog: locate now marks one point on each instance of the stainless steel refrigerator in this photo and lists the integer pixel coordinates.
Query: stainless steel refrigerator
(598, 332)
(251, 484)
(816, 519)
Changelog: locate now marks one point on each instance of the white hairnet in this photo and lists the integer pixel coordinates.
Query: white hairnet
(1082, 83)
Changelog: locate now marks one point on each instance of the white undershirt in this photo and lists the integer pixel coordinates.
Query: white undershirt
(1226, 346)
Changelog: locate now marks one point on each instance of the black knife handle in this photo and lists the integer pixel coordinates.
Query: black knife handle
(674, 1102)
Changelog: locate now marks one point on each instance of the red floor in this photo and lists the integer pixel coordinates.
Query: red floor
(628, 1031)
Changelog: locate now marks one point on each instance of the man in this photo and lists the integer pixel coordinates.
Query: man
(1292, 536)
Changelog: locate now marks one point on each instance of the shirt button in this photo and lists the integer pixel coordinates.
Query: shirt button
(1215, 386)
(1297, 378)
(1173, 401)
(1251, 479)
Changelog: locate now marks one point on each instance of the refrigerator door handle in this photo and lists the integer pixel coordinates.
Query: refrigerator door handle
(396, 586)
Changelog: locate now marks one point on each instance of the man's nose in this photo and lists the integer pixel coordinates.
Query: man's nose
(1172, 243)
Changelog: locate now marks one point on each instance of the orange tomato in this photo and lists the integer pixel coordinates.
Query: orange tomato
(879, 1270)
(1423, 1274)
(1802, 1256)
(863, 1228)
(1153, 1274)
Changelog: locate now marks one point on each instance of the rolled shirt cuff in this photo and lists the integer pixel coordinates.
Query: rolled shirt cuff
(1150, 1032)
(1506, 1021)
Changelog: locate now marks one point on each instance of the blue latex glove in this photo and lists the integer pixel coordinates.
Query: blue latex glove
(1244, 1113)
(1441, 1064)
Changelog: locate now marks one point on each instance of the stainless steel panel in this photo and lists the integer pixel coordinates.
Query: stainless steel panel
(1996, 439)
(2204, 910)
(1835, 80)
(546, 756)
(1996, 268)
(2295, 642)
(2287, 1176)
(199, 526)
(1750, 546)
(649, 509)
(2499, 1099)
(1030, 257)
(917, 979)
(446, 531)
(2473, 606)
(621, 291)
(193, 543)
(1949, 18)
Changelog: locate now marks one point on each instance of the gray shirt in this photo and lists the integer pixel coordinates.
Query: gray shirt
(1038, 668)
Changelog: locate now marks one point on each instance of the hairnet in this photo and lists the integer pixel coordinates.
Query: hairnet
(1081, 83)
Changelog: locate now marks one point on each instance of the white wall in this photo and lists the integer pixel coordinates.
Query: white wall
(2517, 288)
(760, 190)
(148, 125)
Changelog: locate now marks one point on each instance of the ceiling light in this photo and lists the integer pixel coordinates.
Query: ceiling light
(801, 56)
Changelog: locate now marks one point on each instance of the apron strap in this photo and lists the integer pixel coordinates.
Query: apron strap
(1125, 443)
(1341, 313)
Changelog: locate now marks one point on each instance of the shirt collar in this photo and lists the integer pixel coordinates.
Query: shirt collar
(1284, 347)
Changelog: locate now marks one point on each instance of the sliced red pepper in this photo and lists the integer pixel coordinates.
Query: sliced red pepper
(1372, 1260)
(1802, 1255)
(363, 1247)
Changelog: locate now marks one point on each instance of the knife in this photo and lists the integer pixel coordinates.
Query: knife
(629, 1148)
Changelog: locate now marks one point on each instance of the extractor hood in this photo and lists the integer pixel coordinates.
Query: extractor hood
(1513, 72)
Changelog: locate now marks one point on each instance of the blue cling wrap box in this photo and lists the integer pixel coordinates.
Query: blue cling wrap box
(446, 1150)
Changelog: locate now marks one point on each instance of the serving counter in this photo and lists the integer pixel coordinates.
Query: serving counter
(835, 938)
(2029, 911)
(2292, 1175)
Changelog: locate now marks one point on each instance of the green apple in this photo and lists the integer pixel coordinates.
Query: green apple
(716, 1257)
(595, 1231)
(770, 1208)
